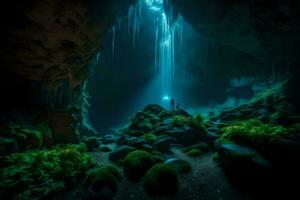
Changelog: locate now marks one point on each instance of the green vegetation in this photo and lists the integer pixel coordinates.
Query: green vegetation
(105, 149)
(161, 179)
(199, 122)
(216, 157)
(253, 131)
(180, 120)
(149, 137)
(181, 166)
(17, 138)
(137, 163)
(43, 173)
(194, 152)
(201, 146)
(102, 178)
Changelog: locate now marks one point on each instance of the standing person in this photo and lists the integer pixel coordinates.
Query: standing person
(177, 106)
(172, 104)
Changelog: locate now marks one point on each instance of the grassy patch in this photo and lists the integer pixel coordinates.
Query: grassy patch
(253, 131)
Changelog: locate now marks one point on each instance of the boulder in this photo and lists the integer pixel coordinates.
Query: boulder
(92, 143)
(241, 160)
(161, 180)
(163, 144)
(181, 166)
(120, 153)
(185, 136)
(109, 139)
(137, 163)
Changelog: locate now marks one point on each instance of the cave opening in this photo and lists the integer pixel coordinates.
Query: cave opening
(151, 55)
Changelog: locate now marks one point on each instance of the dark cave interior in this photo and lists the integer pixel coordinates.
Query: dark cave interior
(149, 99)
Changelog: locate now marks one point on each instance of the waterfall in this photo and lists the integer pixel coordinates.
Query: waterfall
(113, 40)
(166, 33)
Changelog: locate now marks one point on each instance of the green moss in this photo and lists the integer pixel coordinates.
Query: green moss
(202, 147)
(30, 138)
(181, 166)
(216, 157)
(180, 120)
(43, 173)
(194, 152)
(105, 149)
(199, 122)
(102, 178)
(137, 163)
(150, 138)
(253, 131)
(161, 180)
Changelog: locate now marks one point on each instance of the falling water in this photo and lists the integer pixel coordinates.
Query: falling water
(166, 32)
(113, 40)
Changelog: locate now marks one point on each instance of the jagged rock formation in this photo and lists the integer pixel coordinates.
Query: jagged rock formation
(47, 48)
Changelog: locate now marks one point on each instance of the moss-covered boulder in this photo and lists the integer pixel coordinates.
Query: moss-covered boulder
(120, 153)
(92, 143)
(104, 148)
(194, 152)
(181, 166)
(137, 163)
(161, 180)
(102, 182)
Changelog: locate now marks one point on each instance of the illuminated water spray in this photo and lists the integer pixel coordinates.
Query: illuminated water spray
(166, 31)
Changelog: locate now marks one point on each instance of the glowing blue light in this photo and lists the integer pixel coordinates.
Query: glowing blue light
(166, 98)
(154, 5)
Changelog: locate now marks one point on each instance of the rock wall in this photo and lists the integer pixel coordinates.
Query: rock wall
(46, 50)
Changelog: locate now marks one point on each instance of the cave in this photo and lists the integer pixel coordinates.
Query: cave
(149, 99)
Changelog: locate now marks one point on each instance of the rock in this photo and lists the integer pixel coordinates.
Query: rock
(194, 152)
(120, 152)
(147, 147)
(161, 180)
(240, 159)
(92, 143)
(154, 108)
(63, 126)
(137, 163)
(184, 136)
(163, 144)
(104, 148)
(109, 139)
(136, 142)
(181, 112)
(102, 182)
(162, 129)
(201, 146)
(181, 166)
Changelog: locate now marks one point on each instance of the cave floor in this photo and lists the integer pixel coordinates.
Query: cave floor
(206, 181)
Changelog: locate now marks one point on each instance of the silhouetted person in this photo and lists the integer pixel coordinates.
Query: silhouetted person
(172, 104)
(177, 106)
